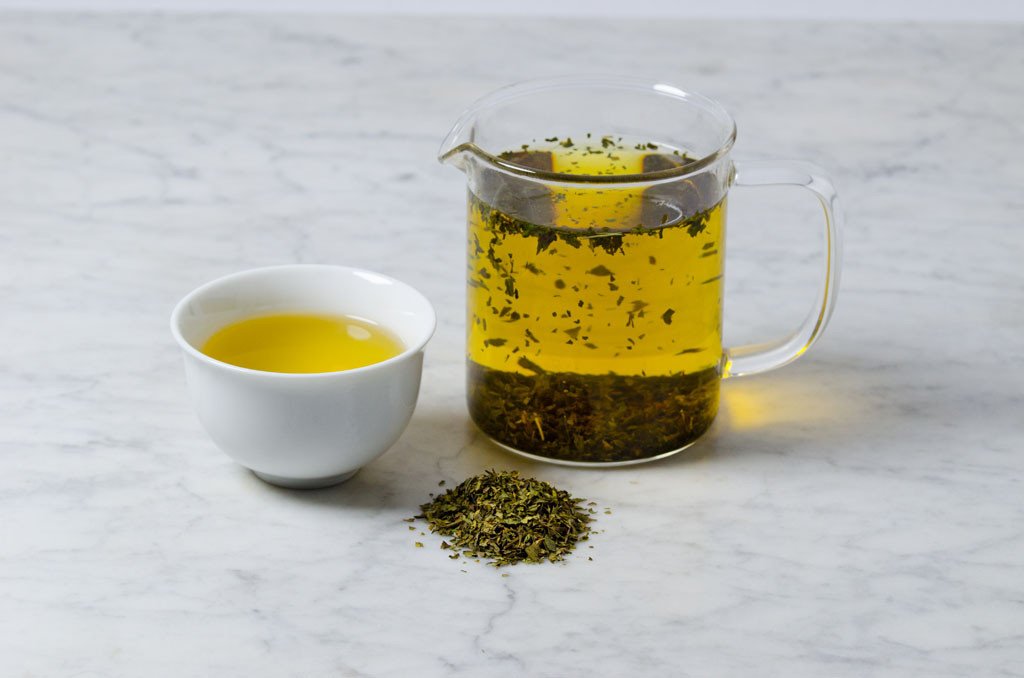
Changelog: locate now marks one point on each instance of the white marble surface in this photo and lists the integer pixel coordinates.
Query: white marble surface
(856, 514)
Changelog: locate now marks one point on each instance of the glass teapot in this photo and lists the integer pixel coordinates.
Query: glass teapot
(595, 262)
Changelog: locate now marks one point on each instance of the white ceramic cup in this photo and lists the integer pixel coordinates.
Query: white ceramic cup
(304, 430)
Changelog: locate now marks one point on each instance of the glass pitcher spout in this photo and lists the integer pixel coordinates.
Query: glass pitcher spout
(458, 143)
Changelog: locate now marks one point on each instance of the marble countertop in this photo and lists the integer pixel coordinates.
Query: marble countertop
(858, 513)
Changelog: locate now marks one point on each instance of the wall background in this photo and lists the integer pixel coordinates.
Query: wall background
(866, 10)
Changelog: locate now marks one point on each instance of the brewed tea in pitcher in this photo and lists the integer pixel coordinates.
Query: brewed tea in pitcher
(598, 337)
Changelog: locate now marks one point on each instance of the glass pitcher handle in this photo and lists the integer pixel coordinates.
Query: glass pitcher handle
(754, 358)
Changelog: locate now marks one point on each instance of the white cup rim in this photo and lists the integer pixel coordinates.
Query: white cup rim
(411, 349)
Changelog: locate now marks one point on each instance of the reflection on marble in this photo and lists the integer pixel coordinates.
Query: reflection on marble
(858, 513)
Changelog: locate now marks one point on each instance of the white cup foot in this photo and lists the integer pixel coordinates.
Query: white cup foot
(305, 483)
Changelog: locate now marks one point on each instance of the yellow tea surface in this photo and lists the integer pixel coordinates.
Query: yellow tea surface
(302, 343)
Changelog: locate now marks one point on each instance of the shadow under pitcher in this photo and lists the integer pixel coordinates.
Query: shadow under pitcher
(595, 256)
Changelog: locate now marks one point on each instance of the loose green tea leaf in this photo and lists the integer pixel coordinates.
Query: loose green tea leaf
(508, 519)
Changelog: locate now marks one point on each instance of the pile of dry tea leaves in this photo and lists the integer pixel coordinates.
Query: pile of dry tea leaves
(508, 519)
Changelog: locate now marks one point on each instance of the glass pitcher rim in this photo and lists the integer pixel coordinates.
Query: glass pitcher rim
(523, 88)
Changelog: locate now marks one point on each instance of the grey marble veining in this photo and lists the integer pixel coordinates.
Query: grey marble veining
(858, 513)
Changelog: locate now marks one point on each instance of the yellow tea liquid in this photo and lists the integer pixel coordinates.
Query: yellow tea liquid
(594, 313)
(302, 343)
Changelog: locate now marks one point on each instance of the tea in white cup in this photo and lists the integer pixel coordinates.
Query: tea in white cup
(304, 429)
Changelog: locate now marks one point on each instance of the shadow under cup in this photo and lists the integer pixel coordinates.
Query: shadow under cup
(304, 430)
